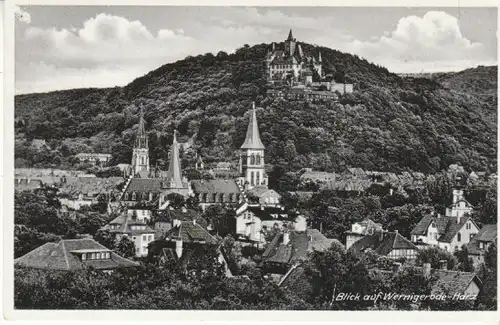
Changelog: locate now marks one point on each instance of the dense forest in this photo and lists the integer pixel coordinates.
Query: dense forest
(388, 123)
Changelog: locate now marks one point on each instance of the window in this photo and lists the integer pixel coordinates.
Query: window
(471, 236)
(258, 179)
(150, 237)
(252, 178)
(108, 254)
(137, 250)
(258, 160)
(144, 237)
(92, 256)
(97, 256)
(142, 160)
(84, 257)
(252, 159)
(459, 237)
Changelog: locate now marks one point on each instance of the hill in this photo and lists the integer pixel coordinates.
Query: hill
(389, 123)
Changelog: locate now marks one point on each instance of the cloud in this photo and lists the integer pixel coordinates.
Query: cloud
(420, 42)
(22, 15)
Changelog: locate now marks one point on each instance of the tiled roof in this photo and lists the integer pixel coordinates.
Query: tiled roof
(487, 234)
(59, 256)
(259, 191)
(213, 186)
(452, 282)
(382, 243)
(144, 185)
(189, 232)
(90, 185)
(297, 281)
(299, 245)
(125, 226)
(447, 226)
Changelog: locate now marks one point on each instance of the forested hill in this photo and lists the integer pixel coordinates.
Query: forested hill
(389, 123)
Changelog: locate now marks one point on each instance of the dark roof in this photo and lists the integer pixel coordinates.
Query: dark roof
(297, 281)
(382, 243)
(59, 256)
(369, 227)
(259, 191)
(90, 185)
(487, 234)
(144, 185)
(452, 282)
(270, 212)
(299, 245)
(447, 226)
(188, 232)
(252, 139)
(126, 224)
(215, 186)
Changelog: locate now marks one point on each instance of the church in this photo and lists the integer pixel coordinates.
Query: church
(290, 59)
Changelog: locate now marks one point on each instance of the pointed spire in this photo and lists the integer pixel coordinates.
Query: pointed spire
(252, 140)
(141, 138)
(301, 54)
(174, 174)
(290, 36)
(319, 57)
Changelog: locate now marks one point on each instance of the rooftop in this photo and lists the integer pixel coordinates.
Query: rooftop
(382, 243)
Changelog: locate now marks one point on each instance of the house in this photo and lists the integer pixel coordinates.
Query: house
(385, 243)
(452, 283)
(96, 159)
(183, 240)
(73, 254)
(27, 184)
(138, 231)
(165, 219)
(309, 175)
(480, 243)
(460, 205)
(216, 191)
(448, 233)
(199, 165)
(75, 192)
(263, 196)
(360, 230)
(292, 247)
(253, 220)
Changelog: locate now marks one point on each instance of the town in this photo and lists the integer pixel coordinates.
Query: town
(324, 238)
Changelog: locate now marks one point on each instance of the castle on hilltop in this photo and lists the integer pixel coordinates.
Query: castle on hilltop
(291, 62)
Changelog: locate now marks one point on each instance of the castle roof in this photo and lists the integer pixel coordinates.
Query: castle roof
(174, 174)
(252, 140)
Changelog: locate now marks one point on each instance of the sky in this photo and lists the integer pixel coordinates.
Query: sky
(64, 47)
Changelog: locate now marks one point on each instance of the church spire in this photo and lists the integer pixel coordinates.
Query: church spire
(174, 171)
(252, 140)
(141, 138)
(290, 36)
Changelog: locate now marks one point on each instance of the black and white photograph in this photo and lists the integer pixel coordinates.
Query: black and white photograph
(264, 158)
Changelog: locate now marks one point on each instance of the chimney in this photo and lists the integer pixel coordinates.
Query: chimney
(286, 238)
(381, 236)
(427, 269)
(178, 248)
(194, 221)
(391, 191)
(443, 264)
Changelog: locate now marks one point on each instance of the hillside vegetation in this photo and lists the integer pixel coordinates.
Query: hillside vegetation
(389, 123)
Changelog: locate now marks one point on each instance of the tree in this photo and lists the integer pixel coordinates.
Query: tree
(464, 261)
(434, 255)
(125, 247)
(106, 238)
(176, 201)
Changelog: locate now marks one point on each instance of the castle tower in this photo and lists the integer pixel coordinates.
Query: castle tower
(140, 153)
(252, 157)
(290, 44)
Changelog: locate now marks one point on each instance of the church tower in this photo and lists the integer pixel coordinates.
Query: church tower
(290, 44)
(252, 157)
(174, 182)
(140, 154)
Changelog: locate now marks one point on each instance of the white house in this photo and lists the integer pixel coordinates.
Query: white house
(460, 205)
(360, 230)
(138, 231)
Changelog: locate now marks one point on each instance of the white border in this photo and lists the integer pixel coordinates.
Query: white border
(177, 316)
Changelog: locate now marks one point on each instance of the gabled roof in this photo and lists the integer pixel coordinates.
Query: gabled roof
(299, 245)
(453, 282)
(189, 232)
(144, 185)
(215, 186)
(382, 243)
(487, 234)
(447, 226)
(260, 191)
(125, 226)
(252, 140)
(59, 256)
